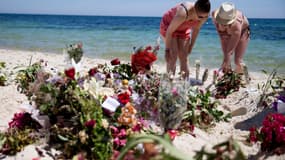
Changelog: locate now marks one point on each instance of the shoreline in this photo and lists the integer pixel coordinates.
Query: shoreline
(158, 65)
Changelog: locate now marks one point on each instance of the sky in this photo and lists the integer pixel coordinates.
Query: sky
(156, 8)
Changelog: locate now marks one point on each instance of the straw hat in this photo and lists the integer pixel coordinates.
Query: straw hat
(226, 14)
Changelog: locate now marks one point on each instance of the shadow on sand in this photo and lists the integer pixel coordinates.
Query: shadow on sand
(255, 121)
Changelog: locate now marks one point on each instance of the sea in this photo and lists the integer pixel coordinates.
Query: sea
(111, 37)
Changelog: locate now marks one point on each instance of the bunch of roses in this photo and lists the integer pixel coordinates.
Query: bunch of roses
(142, 59)
(272, 133)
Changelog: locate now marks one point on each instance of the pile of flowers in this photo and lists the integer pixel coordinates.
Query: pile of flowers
(271, 135)
(93, 115)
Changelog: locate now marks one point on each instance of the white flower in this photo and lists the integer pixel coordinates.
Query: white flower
(95, 88)
(105, 123)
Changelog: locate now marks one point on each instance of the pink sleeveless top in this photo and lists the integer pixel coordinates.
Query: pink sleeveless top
(183, 31)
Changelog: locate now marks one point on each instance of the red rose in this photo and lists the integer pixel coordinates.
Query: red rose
(92, 71)
(90, 124)
(124, 98)
(142, 60)
(115, 61)
(70, 73)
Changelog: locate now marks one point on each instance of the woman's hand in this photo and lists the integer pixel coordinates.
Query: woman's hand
(226, 67)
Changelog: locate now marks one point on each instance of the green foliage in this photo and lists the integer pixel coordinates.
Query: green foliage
(270, 88)
(201, 110)
(69, 108)
(15, 140)
(124, 70)
(26, 76)
(3, 77)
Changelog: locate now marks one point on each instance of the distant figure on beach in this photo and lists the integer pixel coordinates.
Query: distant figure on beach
(179, 29)
(233, 29)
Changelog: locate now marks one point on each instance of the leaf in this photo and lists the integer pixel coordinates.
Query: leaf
(62, 138)
(2, 140)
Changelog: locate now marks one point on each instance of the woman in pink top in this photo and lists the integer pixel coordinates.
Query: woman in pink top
(179, 28)
(233, 29)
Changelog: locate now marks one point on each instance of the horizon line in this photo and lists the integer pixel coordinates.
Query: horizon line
(61, 14)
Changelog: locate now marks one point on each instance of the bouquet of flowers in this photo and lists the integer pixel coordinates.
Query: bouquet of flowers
(19, 134)
(75, 52)
(27, 76)
(202, 111)
(272, 133)
(172, 102)
(143, 58)
(227, 84)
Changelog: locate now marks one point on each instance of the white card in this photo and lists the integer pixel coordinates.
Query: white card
(111, 104)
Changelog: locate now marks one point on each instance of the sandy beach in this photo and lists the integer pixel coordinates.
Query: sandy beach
(238, 126)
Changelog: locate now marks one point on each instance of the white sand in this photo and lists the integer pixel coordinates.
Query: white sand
(238, 126)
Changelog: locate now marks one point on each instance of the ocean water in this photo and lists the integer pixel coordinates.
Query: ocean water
(113, 36)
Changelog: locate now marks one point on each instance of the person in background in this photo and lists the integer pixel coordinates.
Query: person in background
(179, 28)
(234, 32)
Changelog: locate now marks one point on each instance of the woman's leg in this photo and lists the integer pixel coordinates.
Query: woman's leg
(171, 57)
(239, 52)
(183, 45)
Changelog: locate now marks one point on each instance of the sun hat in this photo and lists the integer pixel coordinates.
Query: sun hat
(226, 13)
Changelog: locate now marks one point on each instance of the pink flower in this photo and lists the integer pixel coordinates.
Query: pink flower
(80, 45)
(122, 133)
(115, 155)
(253, 134)
(174, 92)
(172, 134)
(90, 124)
(22, 120)
(114, 130)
